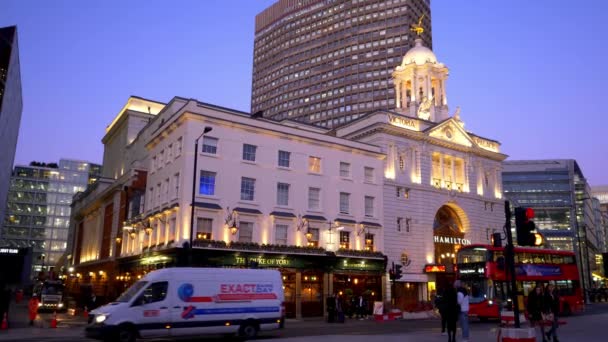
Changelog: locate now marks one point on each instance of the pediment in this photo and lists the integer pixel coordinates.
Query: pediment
(451, 131)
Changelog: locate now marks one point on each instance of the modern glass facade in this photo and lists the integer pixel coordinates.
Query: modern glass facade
(327, 62)
(11, 106)
(561, 198)
(38, 207)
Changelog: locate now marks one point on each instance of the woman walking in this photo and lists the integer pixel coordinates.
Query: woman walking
(536, 308)
(551, 310)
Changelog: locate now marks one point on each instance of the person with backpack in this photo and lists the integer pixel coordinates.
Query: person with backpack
(463, 302)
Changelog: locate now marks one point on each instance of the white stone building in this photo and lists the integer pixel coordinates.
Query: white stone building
(442, 184)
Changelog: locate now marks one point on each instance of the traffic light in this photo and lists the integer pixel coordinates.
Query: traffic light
(391, 272)
(525, 227)
(398, 271)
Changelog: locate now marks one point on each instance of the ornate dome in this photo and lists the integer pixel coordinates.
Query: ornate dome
(419, 54)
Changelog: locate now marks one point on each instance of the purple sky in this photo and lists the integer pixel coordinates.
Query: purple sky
(526, 73)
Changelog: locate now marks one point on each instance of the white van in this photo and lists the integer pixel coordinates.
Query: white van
(176, 302)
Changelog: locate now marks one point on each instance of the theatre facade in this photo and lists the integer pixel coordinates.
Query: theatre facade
(442, 183)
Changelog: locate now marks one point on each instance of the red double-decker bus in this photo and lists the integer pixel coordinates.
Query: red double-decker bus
(482, 268)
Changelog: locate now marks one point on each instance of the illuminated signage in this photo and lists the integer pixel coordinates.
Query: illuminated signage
(9, 251)
(479, 270)
(402, 122)
(434, 268)
(263, 261)
(452, 240)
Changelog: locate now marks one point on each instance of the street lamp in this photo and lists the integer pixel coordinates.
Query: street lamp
(205, 131)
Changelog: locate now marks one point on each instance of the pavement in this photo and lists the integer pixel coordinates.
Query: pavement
(71, 328)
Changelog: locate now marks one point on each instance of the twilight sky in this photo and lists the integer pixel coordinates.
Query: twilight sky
(526, 73)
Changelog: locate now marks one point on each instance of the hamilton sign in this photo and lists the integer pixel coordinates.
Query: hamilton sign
(452, 240)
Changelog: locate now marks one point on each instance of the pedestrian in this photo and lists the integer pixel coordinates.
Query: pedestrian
(331, 308)
(361, 305)
(535, 309)
(452, 310)
(440, 304)
(551, 304)
(32, 306)
(463, 302)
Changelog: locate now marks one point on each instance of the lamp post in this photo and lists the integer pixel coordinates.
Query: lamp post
(205, 131)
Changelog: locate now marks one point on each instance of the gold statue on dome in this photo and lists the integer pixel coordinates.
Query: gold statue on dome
(418, 27)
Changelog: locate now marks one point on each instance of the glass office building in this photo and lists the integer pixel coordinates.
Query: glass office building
(561, 198)
(38, 207)
(329, 62)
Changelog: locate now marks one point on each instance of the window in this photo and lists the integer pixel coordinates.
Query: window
(249, 152)
(245, 231)
(169, 153)
(369, 242)
(369, 174)
(284, 158)
(204, 228)
(344, 203)
(282, 194)
(401, 163)
(178, 147)
(314, 240)
(344, 169)
(314, 164)
(369, 206)
(151, 198)
(314, 198)
(161, 158)
(209, 145)
(176, 185)
(345, 240)
(153, 166)
(166, 192)
(281, 234)
(399, 224)
(207, 183)
(158, 194)
(156, 292)
(247, 189)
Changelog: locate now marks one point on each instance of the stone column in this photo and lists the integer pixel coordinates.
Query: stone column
(398, 87)
(414, 87)
(453, 174)
(404, 94)
(428, 87)
(441, 169)
(298, 295)
(445, 99)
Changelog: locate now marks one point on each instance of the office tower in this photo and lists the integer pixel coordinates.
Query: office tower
(38, 210)
(563, 204)
(10, 107)
(330, 62)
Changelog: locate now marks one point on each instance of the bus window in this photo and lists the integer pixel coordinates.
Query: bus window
(557, 259)
(472, 255)
(565, 287)
(568, 259)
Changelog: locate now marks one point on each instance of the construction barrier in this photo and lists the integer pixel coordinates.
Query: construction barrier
(54, 320)
(4, 325)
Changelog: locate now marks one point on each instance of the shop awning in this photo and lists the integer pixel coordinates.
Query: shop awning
(371, 224)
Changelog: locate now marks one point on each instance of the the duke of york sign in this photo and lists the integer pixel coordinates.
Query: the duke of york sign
(452, 240)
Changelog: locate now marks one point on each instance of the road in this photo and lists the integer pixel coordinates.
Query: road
(577, 327)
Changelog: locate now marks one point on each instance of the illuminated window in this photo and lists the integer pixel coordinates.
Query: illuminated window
(207, 183)
(314, 164)
(204, 228)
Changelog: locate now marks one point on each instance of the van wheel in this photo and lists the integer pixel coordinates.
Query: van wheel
(126, 334)
(248, 330)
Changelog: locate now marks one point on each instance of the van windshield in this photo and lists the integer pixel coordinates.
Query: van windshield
(131, 291)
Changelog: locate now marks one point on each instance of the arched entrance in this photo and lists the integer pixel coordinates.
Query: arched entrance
(448, 237)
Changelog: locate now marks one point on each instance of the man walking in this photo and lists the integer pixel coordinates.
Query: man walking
(463, 302)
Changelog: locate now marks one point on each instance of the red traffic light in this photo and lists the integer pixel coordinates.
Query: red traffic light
(529, 213)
